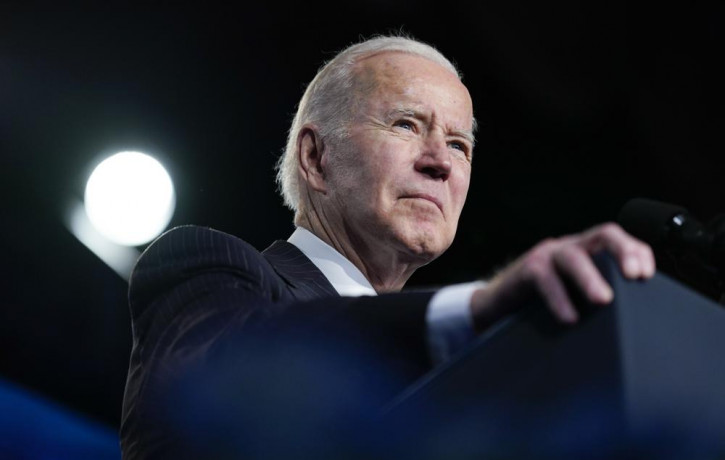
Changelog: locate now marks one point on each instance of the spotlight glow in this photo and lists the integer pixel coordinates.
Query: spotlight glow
(130, 198)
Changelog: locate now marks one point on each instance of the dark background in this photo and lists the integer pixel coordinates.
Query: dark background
(581, 108)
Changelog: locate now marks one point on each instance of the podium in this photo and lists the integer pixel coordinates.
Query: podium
(643, 377)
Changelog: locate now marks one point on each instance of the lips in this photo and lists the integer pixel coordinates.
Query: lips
(425, 196)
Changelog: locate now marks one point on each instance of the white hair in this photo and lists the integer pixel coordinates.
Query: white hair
(329, 99)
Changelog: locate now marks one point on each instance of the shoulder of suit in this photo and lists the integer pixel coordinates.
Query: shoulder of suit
(196, 244)
(187, 251)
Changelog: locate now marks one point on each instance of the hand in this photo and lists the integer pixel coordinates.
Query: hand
(544, 269)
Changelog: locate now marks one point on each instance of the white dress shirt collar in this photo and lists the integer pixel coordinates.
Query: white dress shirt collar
(342, 274)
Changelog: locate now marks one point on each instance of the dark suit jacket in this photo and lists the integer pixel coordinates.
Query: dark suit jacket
(244, 351)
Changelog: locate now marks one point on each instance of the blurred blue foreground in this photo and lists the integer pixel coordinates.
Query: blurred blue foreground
(32, 427)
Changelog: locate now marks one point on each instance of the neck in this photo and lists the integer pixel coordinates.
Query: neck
(386, 269)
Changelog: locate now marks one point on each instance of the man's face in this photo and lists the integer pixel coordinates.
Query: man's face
(401, 177)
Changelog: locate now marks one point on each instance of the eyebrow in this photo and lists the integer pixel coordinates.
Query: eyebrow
(395, 113)
(466, 134)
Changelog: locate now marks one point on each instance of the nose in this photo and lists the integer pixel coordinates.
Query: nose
(435, 159)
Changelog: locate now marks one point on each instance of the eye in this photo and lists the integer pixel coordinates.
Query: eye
(457, 146)
(462, 147)
(405, 124)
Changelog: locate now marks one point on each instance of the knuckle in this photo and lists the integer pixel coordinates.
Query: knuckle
(645, 252)
(630, 248)
(611, 230)
(648, 251)
(640, 249)
(569, 255)
(535, 268)
(546, 246)
(568, 251)
(611, 227)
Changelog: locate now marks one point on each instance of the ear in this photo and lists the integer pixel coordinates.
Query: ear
(310, 149)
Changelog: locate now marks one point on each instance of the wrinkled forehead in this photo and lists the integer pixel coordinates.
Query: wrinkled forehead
(391, 68)
(394, 78)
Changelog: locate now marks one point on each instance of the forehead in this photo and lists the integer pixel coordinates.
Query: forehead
(395, 78)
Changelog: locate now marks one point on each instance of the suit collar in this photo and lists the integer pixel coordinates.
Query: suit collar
(304, 278)
(344, 276)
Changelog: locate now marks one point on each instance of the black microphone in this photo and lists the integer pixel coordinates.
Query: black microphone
(697, 250)
(667, 226)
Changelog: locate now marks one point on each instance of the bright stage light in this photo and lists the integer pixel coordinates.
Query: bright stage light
(130, 198)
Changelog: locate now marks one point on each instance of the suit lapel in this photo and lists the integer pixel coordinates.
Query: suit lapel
(305, 280)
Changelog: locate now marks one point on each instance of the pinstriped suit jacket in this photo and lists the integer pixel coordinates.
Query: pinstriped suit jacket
(196, 291)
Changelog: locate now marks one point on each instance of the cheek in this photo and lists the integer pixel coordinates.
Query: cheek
(382, 172)
(459, 186)
(360, 187)
(375, 170)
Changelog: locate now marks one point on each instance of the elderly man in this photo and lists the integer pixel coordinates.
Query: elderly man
(376, 169)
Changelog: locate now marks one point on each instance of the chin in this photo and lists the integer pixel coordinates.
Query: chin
(426, 247)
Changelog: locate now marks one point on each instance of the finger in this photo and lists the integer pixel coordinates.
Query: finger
(553, 291)
(651, 265)
(575, 264)
(635, 258)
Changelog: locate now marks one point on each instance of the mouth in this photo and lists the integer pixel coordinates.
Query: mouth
(426, 197)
